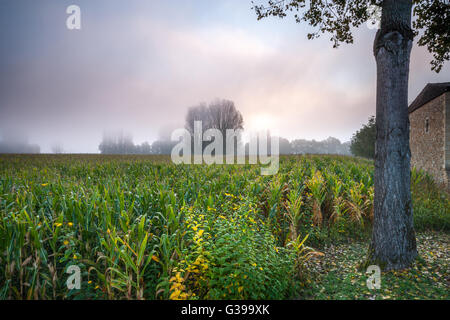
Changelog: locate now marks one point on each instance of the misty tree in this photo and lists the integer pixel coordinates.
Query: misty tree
(363, 141)
(194, 114)
(57, 148)
(197, 113)
(163, 146)
(284, 145)
(144, 148)
(6, 147)
(223, 115)
(330, 145)
(122, 143)
(220, 114)
(393, 243)
(117, 143)
(15, 144)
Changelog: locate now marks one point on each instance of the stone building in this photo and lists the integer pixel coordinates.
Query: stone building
(429, 116)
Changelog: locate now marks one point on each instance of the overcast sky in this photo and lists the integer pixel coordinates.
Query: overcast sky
(138, 65)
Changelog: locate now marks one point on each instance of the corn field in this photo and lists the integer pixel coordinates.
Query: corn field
(140, 227)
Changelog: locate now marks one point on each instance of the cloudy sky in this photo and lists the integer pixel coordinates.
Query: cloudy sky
(137, 65)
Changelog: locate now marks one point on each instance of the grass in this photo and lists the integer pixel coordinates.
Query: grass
(140, 227)
(337, 276)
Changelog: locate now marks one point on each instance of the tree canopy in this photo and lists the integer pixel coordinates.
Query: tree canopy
(363, 141)
(337, 17)
(220, 114)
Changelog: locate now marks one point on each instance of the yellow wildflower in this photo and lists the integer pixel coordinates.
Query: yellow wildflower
(175, 295)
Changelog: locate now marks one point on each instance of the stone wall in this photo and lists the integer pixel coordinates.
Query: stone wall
(447, 138)
(428, 150)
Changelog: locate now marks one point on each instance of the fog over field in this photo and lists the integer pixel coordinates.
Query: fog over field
(138, 65)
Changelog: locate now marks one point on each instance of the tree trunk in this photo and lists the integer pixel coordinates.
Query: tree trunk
(393, 239)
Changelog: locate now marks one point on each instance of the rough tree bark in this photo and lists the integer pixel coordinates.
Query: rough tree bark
(393, 239)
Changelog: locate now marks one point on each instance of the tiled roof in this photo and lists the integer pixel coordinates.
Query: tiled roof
(431, 91)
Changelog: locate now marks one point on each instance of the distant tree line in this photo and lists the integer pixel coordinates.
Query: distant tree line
(116, 145)
(122, 143)
(298, 146)
(301, 146)
(328, 146)
(220, 114)
(10, 146)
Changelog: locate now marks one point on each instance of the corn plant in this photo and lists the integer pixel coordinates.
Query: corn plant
(140, 227)
(316, 185)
